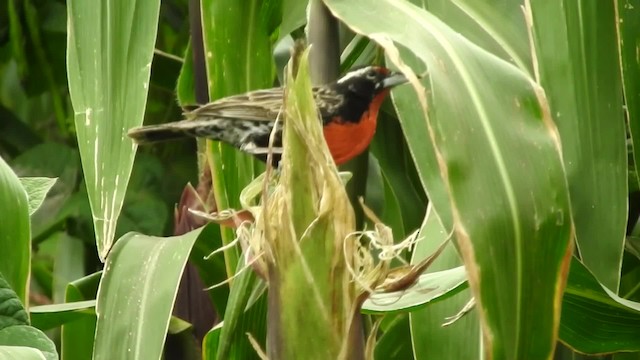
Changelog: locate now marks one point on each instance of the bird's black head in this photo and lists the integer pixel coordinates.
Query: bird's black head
(359, 87)
(369, 81)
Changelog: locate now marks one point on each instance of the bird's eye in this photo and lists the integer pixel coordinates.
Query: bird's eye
(371, 74)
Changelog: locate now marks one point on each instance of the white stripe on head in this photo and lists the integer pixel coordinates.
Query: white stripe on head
(355, 73)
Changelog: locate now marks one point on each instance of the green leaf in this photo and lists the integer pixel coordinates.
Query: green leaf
(136, 294)
(211, 342)
(393, 343)
(231, 342)
(578, 64)
(185, 87)
(594, 319)
(430, 287)
(360, 51)
(294, 15)
(11, 310)
(398, 177)
(177, 325)
(46, 317)
(27, 336)
(110, 48)
(37, 189)
(497, 26)
(498, 153)
(20, 353)
(431, 340)
(628, 22)
(85, 288)
(15, 233)
(14, 328)
(69, 264)
(78, 336)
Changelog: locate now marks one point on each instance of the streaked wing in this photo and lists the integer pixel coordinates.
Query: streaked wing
(262, 105)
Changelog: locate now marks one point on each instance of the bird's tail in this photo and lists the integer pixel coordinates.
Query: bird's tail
(170, 131)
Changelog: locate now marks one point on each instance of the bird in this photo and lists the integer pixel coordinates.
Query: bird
(348, 107)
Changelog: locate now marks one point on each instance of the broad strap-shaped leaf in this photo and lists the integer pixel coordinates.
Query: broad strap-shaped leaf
(109, 51)
(431, 340)
(496, 150)
(15, 233)
(393, 342)
(594, 319)
(136, 295)
(578, 66)
(628, 22)
(498, 27)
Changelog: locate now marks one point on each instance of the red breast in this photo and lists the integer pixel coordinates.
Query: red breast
(347, 140)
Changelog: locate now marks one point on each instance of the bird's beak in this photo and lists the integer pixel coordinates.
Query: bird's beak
(394, 79)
